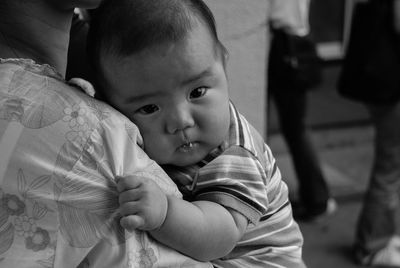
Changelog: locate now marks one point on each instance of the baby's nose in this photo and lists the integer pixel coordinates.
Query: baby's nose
(179, 119)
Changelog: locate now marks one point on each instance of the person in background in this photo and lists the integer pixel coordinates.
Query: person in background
(370, 75)
(288, 85)
(162, 65)
(60, 151)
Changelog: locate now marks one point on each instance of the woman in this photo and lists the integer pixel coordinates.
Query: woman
(60, 152)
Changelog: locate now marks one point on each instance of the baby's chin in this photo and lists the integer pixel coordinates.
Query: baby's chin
(186, 156)
(181, 160)
(186, 161)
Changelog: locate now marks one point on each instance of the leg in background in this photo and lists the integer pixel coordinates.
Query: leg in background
(313, 189)
(377, 221)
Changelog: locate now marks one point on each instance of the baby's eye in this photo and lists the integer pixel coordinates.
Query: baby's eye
(148, 109)
(198, 92)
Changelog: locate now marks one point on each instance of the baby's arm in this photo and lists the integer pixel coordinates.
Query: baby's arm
(202, 230)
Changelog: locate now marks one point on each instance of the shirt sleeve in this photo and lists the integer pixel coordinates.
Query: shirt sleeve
(89, 213)
(115, 151)
(236, 180)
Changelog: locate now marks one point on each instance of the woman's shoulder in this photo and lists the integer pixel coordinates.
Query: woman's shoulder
(40, 97)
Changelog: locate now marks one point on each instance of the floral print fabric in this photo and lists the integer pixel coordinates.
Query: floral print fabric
(60, 151)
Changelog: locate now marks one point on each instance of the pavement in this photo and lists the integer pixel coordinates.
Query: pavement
(343, 138)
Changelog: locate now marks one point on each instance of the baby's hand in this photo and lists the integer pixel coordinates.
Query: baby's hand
(143, 204)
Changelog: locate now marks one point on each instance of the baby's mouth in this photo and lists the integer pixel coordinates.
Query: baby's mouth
(187, 145)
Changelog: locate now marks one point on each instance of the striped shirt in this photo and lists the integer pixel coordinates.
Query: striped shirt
(242, 175)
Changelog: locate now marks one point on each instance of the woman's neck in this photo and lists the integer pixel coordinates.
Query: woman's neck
(35, 32)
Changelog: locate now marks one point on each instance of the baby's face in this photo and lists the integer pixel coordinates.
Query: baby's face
(175, 94)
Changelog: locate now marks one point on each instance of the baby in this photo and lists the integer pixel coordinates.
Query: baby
(160, 63)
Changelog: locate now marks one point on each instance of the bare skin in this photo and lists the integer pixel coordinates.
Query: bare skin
(38, 30)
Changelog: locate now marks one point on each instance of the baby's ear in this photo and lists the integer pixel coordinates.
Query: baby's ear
(84, 85)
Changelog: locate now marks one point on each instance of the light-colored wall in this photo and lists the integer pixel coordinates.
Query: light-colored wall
(242, 27)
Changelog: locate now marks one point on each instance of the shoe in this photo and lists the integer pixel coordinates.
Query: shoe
(302, 213)
(388, 256)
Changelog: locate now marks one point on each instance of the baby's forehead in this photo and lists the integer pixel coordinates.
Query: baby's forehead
(193, 39)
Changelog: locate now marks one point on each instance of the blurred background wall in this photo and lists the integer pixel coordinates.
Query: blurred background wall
(243, 30)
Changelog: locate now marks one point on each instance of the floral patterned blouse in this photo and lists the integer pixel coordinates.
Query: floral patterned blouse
(60, 151)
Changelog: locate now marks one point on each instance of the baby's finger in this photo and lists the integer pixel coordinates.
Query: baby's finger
(128, 182)
(132, 222)
(129, 196)
(129, 208)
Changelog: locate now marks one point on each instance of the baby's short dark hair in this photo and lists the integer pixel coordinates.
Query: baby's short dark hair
(126, 27)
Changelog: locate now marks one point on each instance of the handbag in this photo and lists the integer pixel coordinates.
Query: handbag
(294, 63)
(371, 67)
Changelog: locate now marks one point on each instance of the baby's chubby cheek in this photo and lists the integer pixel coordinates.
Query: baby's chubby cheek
(157, 150)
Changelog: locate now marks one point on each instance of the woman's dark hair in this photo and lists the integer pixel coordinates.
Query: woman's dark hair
(125, 27)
